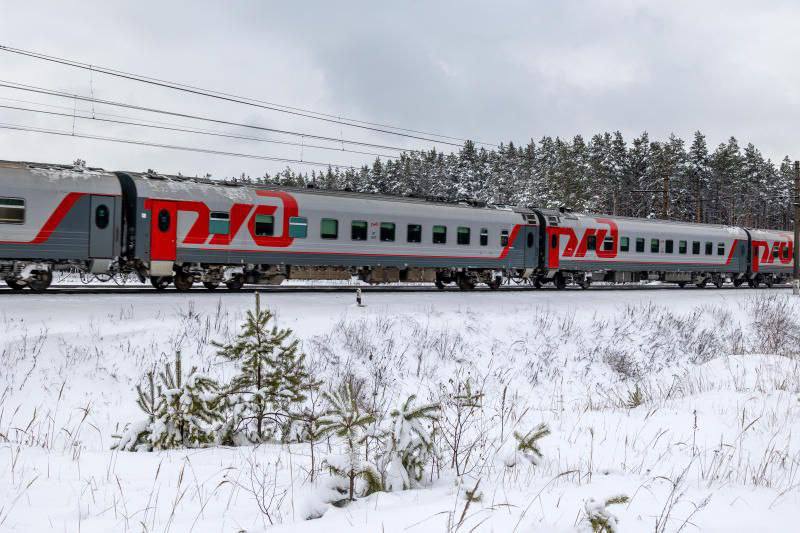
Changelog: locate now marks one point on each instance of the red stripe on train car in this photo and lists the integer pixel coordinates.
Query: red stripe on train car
(55, 219)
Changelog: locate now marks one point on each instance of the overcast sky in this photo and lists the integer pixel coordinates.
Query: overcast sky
(493, 71)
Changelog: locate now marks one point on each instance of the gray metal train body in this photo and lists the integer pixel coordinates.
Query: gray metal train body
(185, 231)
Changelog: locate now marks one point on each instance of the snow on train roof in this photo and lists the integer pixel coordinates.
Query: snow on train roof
(241, 190)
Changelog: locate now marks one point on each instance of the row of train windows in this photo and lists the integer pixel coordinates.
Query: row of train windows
(656, 245)
(219, 223)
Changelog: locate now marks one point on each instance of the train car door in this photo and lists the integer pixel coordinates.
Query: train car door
(531, 238)
(101, 228)
(163, 230)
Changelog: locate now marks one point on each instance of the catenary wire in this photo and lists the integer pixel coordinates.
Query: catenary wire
(263, 104)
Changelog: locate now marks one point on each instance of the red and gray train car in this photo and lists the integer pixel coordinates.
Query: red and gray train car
(182, 231)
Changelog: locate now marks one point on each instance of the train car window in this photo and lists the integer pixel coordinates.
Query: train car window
(608, 244)
(721, 248)
(654, 246)
(591, 242)
(414, 233)
(387, 231)
(298, 227)
(530, 240)
(504, 239)
(695, 247)
(329, 228)
(101, 216)
(681, 247)
(358, 230)
(668, 246)
(484, 237)
(709, 248)
(640, 244)
(163, 220)
(219, 223)
(624, 244)
(12, 211)
(786, 252)
(265, 225)
(775, 250)
(439, 234)
(462, 235)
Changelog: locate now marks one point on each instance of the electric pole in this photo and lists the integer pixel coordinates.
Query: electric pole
(796, 254)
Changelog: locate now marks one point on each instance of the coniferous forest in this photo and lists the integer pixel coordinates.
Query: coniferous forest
(729, 184)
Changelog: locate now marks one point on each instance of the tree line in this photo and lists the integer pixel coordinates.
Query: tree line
(606, 174)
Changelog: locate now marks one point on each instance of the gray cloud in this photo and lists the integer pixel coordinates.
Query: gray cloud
(492, 71)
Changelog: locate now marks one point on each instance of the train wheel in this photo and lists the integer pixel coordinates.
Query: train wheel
(439, 285)
(40, 281)
(183, 282)
(537, 283)
(681, 284)
(701, 284)
(753, 283)
(14, 284)
(719, 283)
(769, 282)
(211, 285)
(235, 283)
(160, 282)
(495, 283)
(738, 282)
(559, 281)
(585, 284)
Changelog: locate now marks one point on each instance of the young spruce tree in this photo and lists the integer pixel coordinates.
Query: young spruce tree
(411, 443)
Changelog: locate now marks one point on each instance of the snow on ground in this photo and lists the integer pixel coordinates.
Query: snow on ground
(711, 444)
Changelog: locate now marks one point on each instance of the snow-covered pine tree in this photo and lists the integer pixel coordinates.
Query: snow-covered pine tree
(186, 410)
(136, 436)
(347, 420)
(272, 378)
(411, 434)
(599, 518)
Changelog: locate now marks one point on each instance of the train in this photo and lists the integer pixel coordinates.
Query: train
(182, 231)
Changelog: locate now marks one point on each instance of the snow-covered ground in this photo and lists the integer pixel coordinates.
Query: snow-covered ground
(711, 444)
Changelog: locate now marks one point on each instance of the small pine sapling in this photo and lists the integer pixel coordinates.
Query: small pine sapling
(599, 518)
(635, 398)
(186, 410)
(346, 420)
(411, 435)
(137, 435)
(528, 444)
(272, 378)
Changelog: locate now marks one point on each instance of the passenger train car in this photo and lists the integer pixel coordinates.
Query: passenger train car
(182, 231)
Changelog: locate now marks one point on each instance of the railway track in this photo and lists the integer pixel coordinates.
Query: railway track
(321, 289)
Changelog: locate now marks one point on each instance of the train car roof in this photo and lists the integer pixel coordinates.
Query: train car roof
(223, 184)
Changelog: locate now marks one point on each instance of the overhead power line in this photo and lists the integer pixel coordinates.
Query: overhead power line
(70, 96)
(253, 102)
(188, 130)
(19, 127)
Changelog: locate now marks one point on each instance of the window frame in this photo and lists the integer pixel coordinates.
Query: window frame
(294, 223)
(669, 246)
(640, 245)
(460, 231)
(721, 249)
(484, 237)
(624, 244)
(215, 216)
(443, 233)
(695, 247)
(683, 247)
(709, 248)
(10, 203)
(504, 238)
(591, 243)
(655, 246)
(271, 225)
(385, 226)
(329, 236)
(417, 232)
(356, 226)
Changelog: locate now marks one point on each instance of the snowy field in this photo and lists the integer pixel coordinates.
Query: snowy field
(687, 402)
